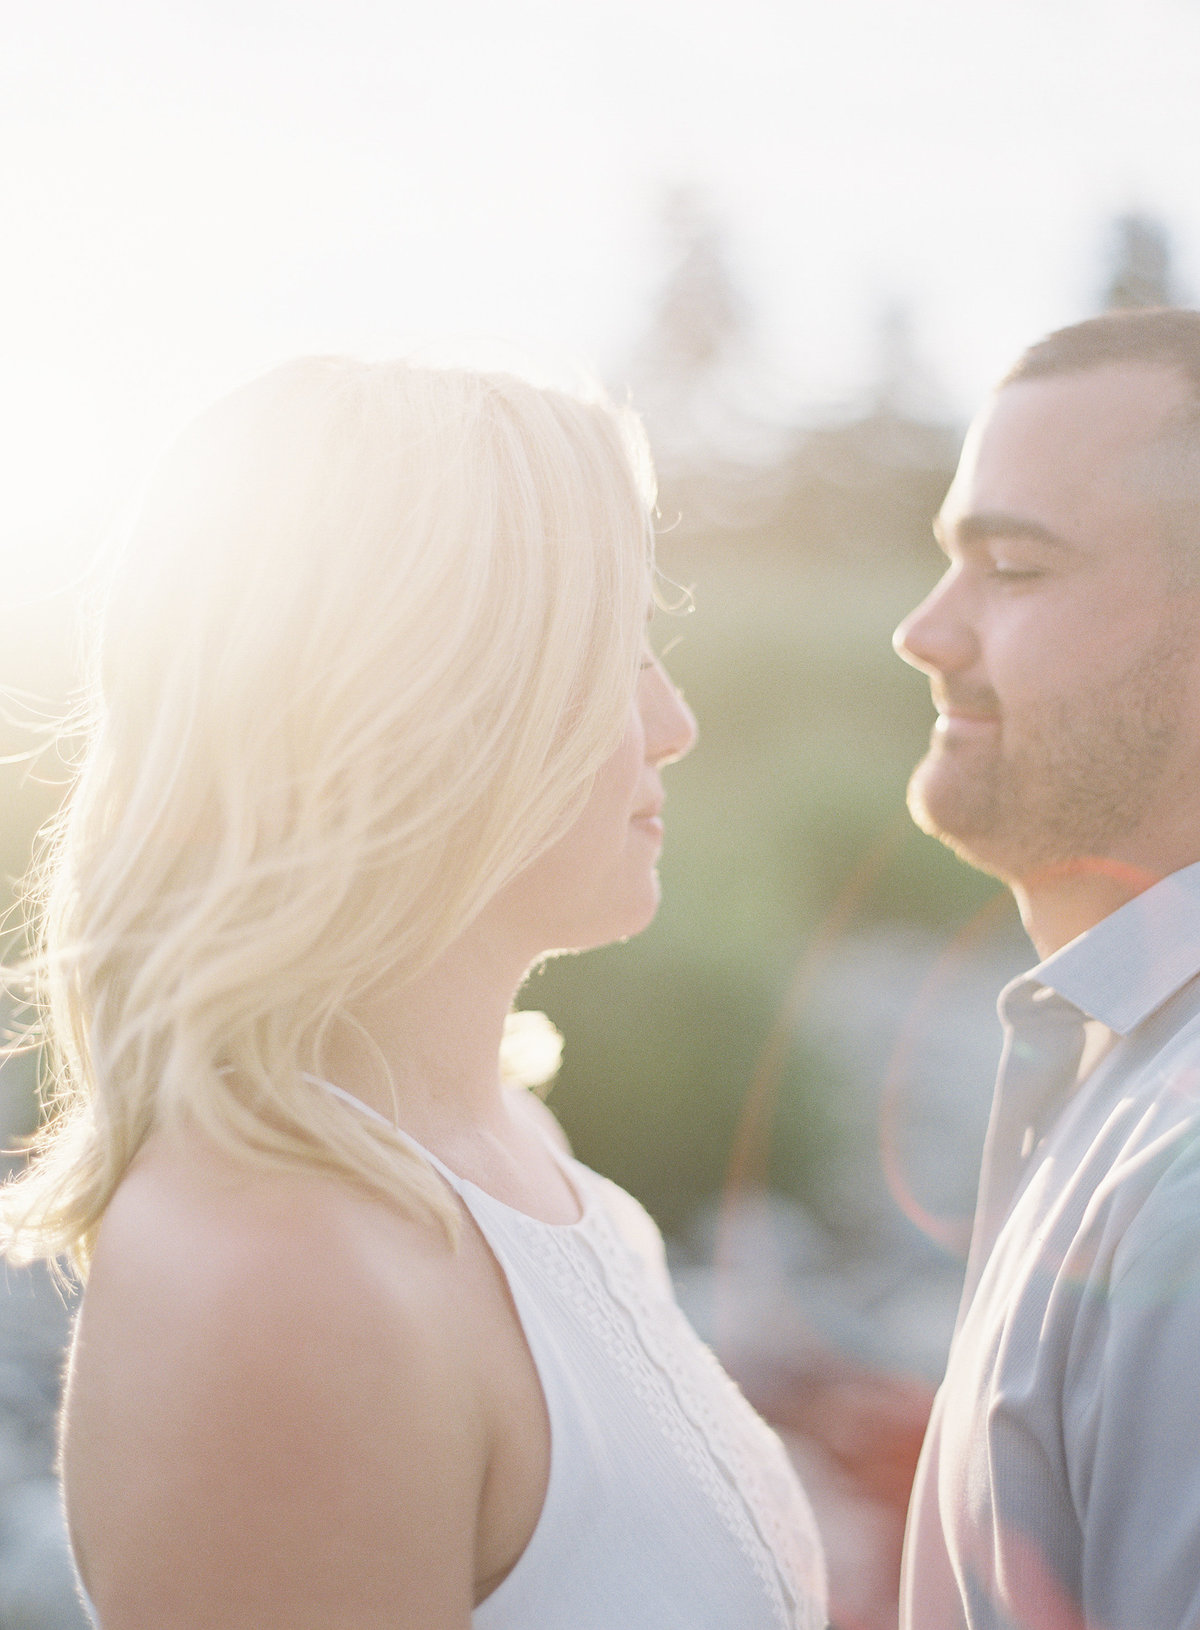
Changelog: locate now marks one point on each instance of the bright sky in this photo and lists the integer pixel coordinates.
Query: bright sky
(191, 191)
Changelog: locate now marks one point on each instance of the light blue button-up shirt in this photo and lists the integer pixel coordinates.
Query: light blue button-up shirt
(1059, 1486)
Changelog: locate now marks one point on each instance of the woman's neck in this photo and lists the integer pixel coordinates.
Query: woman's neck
(440, 1037)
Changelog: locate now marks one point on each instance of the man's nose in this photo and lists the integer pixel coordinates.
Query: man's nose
(936, 636)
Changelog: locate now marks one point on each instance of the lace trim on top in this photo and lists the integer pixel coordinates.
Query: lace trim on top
(731, 1454)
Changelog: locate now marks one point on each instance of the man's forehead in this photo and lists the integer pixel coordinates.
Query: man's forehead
(1054, 447)
(1112, 403)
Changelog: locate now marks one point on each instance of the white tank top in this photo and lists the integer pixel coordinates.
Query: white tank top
(670, 1505)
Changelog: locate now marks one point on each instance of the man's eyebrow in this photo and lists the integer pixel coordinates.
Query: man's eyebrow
(985, 525)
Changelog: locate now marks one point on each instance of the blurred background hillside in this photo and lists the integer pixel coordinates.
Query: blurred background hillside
(802, 244)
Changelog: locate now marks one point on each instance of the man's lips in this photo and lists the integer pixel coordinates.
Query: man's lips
(955, 723)
(965, 715)
(971, 708)
(958, 725)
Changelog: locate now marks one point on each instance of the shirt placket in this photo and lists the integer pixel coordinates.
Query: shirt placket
(1043, 1045)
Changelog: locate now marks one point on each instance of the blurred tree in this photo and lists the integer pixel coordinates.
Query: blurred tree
(699, 314)
(868, 486)
(897, 364)
(1140, 269)
(708, 398)
(904, 384)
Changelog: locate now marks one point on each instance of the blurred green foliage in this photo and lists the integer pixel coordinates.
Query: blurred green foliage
(785, 827)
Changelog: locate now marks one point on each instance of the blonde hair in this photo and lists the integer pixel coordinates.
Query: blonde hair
(374, 630)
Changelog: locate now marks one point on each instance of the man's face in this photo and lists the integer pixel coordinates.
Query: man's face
(1063, 657)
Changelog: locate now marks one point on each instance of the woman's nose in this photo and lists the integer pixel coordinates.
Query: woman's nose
(670, 724)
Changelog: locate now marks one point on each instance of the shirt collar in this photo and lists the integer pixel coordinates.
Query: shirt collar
(1135, 959)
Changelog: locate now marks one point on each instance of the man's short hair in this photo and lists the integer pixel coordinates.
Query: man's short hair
(1168, 469)
(1165, 337)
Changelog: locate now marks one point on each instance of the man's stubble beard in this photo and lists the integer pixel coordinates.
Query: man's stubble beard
(1084, 776)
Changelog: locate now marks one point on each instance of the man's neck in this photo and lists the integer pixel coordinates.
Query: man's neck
(1060, 902)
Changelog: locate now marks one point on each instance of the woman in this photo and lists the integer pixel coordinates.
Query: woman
(376, 727)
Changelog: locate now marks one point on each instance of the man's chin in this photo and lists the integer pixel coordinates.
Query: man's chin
(958, 814)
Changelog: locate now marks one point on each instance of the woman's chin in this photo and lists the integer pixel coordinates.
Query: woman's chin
(631, 919)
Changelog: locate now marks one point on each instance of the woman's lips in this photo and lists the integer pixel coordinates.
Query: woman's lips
(649, 821)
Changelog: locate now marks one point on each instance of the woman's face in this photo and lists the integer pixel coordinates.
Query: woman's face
(599, 882)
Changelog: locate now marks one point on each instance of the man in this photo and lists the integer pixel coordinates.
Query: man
(1059, 1484)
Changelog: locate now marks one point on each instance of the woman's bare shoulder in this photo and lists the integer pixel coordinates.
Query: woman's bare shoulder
(271, 1361)
(196, 1245)
(206, 1267)
(207, 1220)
